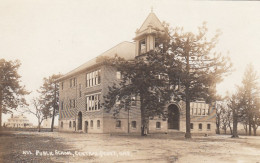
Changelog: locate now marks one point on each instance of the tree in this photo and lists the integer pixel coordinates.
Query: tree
(49, 95)
(142, 78)
(199, 67)
(236, 103)
(250, 94)
(39, 111)
(256, 115)
(11, 91)
(224, 116)
(218, 116)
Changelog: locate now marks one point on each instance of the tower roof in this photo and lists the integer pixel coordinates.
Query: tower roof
(151, 25)
(151, 20)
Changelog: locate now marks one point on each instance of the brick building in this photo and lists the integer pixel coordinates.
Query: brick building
(82, 91)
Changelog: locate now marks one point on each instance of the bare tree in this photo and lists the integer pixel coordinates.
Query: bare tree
(38, 111)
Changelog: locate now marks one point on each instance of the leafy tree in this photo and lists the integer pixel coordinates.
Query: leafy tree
(49, 95)
(11, 91)
(256, 115)
(198, 67)
(236, 103)
(142, 78)
(250, 94)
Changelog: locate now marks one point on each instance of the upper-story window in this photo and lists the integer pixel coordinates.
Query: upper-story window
(61, 105)
(93, 78)
(72, 103)
(80, 92)
(119, 75)
(72, 82)
(142, 46)
(62, 85)
(93, 102)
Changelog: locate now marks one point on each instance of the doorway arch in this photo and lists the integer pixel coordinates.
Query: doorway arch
(173, 117)
(80, 120)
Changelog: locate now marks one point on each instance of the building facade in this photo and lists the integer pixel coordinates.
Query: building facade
(82, 90)
(19, 121)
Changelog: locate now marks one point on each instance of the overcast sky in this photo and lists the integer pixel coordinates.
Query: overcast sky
(52, 36)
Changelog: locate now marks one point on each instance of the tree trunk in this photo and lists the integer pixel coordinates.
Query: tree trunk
(54, 108)
(246, 129)
(250, 126)
(0, 117)
(0, 110)
(39, 127)
(235, 116)
(143, 118)
(230, 128)
(255, 131)
(218, 124)
(187, 134)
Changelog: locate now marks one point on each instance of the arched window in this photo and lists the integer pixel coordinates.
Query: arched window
(70, 124)
(200, 126)
(118, 124)
(158, 124)
(133, 124)
(61, 124)
(98, 123)
(91, 123)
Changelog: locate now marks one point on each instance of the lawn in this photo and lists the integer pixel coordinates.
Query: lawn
(74, 147)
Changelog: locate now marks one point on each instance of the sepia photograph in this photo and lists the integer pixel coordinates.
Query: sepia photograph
(129, 81)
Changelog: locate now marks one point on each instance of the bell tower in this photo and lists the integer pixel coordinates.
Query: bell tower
(147, 34)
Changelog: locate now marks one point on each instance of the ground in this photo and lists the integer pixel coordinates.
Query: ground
(27, 146)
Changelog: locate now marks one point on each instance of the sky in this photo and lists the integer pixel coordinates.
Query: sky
(56, 36)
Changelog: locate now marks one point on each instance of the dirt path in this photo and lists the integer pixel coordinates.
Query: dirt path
(106, 148)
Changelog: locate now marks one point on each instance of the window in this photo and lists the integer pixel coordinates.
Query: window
(200, 126)
(72, 82)
(93, 78)
(208, 126)
(91, 123)
(199, 111)
(195, 111)
(133, 100)
(118, 124)
(98, 123)
(207, 111)
(72, 103)
(92, 102)
(61, 124)
(70, 124)
(203, 111)
(61, 105)
(158, 124)
(133, 124)
(62, 85)
(80, 93)
(191, 126)
(74, 124)
(119, 75)
(142, 47)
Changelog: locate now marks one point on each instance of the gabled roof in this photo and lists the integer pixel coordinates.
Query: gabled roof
(124, 49)
(151, 20)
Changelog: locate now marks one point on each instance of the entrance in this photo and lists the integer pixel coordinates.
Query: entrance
(80, 121)
(173, 117)
(86, 126)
